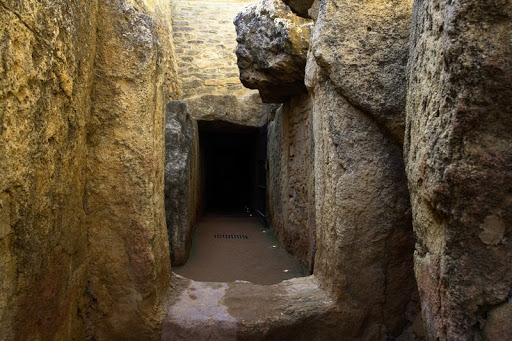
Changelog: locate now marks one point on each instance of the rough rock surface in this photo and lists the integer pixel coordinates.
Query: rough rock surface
(129, 268)
(300, 7)
(296, 309)
(247, 110)
(363, 219)
(181, 179)
(459, 156)
(272, 48)
(291, 180)
(46, 57)
(363, 48)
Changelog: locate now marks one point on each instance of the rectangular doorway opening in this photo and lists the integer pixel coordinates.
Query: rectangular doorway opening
(231, 176)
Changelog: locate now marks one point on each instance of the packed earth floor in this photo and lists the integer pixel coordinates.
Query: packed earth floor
(230, 248)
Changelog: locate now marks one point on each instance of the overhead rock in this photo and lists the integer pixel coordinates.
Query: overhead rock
(248, 110)
(363, 47)
(181, 186)
(272, 48)
(458, 157)
(300, 7)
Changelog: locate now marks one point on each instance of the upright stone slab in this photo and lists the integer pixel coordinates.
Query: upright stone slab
(129, 267)
(291, 185)
(459, 154)
(365, 243)
(363, 46)
(181, 179)
(46, 57)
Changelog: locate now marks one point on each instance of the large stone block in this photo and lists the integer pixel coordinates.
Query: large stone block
(363, 220)
(181, 179)
(458, 152)
(129, 267)
(46, 57)
(364, 237)
(248, 110)
(363, 48)
(272, 49)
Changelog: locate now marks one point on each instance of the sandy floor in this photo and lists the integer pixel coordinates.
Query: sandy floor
(257, 259)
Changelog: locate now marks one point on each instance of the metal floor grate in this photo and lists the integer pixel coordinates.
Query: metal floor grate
(230, 236)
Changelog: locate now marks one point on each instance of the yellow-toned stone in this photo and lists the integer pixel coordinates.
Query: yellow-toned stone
(205, 39)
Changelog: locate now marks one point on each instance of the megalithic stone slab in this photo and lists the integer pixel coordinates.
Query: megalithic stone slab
(458, 153)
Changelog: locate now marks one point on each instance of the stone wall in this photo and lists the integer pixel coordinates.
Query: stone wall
(46, 57)
(205, 38)
(291, 180)
(459, 156)
(84, 249)
(181, 179)
(365, 241)
(129, 266)
(361, 214)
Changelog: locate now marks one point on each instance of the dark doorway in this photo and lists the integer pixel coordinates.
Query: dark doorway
(229, 157)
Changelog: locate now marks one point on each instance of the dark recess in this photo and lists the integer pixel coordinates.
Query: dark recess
(228, 153)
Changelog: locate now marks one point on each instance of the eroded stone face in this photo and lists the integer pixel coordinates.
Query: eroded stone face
(293, 309)
(272, 48)
(364, 237)
(129, 268)
(363, 48)
(181, 179)
(458, 156)
(46, 57)
(247, 110)
(291, 180)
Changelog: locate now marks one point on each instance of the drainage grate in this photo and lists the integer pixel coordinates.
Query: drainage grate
(230, 236)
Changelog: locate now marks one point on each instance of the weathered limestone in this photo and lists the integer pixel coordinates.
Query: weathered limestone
(181, 179)
(363, 46)
(247, 110)
(291, 180)
(46, 56)
(205, 39)
(297, 309)
(272, 48)
(364, 234)
(363, 219)
(459, 156)
(84, 248)
(129, 268)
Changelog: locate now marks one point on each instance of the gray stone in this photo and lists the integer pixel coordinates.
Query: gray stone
(272, 48)
(291, 181)
(297, 309)
(458, 155)
(248, 110)
(363, 48)
(180, 179)
(363, 220)
(300, 7)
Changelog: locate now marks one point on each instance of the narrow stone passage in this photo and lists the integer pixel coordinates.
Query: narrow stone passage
(230, 248)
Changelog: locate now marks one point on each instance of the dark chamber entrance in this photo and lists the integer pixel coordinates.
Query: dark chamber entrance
(228, 243)
(229, 154)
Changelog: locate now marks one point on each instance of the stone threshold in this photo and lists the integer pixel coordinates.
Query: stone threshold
(295, 309)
